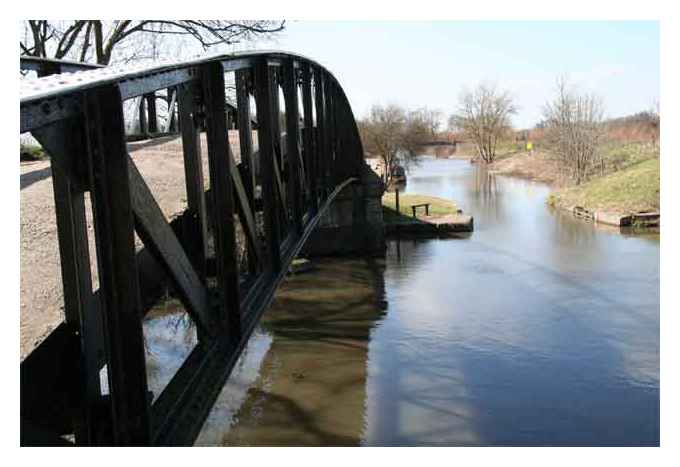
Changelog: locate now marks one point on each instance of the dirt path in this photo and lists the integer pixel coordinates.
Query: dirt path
(537, 166)
(161, 164)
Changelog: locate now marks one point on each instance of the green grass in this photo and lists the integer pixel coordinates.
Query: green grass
(28, 152)
(633, 189)
(618, 156)
(438, 206)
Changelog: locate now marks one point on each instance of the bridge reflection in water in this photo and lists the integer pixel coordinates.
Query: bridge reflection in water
(311, 388)
(536, 330)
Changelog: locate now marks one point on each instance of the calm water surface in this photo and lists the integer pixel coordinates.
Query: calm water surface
(538, 329)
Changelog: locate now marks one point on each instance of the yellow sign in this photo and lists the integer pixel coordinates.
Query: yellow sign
(530, 145)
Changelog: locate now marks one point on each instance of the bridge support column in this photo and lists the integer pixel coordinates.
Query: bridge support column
(353, 224)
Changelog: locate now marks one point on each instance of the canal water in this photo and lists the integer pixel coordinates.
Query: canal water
(537, 329)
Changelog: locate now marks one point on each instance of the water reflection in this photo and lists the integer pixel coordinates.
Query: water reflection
(312, 382)
(456, 363)
(169, 338)
(484, 193)
(538, 329)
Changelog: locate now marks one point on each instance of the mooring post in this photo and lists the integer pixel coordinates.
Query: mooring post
(396, 199)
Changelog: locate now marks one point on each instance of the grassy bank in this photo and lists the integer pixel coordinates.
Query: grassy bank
(443, 221)
(542, 166)
(629, 190)
(438, 206)
(618, 156)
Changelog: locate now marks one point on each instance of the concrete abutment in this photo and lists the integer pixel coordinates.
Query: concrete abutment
(353, 224)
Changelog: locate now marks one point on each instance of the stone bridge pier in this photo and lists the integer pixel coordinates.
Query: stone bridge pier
(353, 224)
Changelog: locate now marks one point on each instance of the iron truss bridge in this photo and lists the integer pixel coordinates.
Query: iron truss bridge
(276, 194)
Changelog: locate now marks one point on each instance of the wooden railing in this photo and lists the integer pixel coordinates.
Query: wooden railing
(80, 123)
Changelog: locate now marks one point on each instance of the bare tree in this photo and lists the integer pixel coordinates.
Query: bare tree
(421, 127)
(381, 134)
(575, 129)
(86, 40)
(655, 122)
(483, 117)
(396, 135)
(430, 119)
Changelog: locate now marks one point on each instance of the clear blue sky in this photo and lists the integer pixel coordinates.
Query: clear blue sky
(428, 63)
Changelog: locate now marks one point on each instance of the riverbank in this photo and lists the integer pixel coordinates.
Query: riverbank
(617, 198)
(539, 166)
(484, 339)
(626, 185)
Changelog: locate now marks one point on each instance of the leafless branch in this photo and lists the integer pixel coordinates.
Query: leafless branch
(483, 117)
(75, 38)
(575, 129)
(396, 135)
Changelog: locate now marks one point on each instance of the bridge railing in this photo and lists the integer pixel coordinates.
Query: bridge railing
(46, 66)
(78, 119)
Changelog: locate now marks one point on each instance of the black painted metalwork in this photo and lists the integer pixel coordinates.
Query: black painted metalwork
(47, 66)
(287, 184)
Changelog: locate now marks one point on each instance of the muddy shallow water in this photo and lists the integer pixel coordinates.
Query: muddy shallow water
(538, 329)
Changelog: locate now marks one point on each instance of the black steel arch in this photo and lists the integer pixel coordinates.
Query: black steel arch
(287, 185)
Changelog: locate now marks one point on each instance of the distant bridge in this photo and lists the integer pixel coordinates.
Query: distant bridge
(441, 143)
(309, 177)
